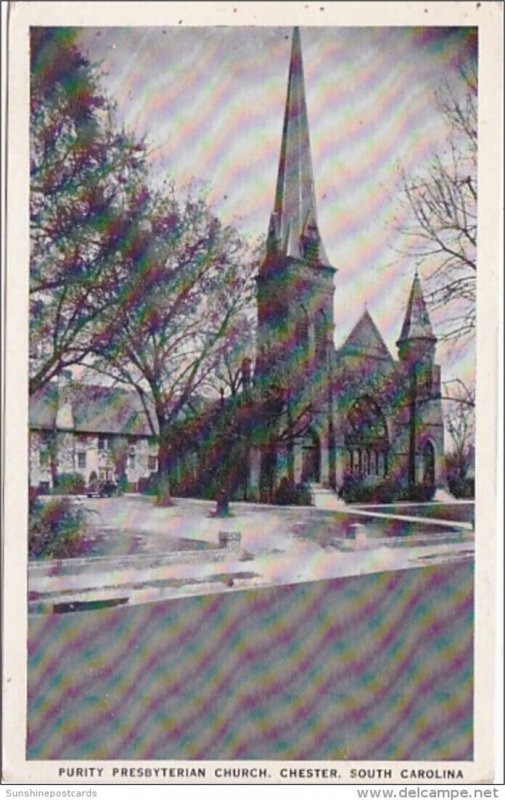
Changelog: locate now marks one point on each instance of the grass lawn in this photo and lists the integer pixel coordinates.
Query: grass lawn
(134, 524)
(456, 512)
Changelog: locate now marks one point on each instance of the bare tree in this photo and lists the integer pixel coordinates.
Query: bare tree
(441, 218)
(174, 298)
(260, 417)
(238, 351)
(459, 415)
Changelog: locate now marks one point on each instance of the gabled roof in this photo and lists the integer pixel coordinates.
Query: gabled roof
(109, 410)
(43, 407)
(417, 324)
(95, 409)
(294, 212)
(365, 340)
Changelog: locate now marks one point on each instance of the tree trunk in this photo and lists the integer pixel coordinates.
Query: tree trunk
(222, 504)
(163, 493)
(225, 472)
(53, 458)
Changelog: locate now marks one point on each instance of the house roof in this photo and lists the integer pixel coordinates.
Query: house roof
(95, 409)
(365, 340)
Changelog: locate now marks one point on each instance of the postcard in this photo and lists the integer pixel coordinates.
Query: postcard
(251, 393)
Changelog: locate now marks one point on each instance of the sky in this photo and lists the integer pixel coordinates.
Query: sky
(210, 103)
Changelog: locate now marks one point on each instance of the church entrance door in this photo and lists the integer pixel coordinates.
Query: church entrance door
(311, 459)
(429, 464)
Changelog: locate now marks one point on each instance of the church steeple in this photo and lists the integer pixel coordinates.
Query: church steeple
(295, 283)
(293, 229)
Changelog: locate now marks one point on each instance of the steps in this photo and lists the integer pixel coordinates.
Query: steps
(325, 498)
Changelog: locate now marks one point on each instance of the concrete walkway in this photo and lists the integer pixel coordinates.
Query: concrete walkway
(137, 584)
(272, 552)
(326, 499)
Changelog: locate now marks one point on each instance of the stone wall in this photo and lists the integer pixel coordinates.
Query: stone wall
(229, 545)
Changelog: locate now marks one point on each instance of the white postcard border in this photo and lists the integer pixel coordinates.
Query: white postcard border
(488, 17)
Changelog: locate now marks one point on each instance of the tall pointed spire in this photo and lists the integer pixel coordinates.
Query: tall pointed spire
(416, 324)
(293, 225)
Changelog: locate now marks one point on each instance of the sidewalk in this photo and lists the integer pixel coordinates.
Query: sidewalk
(146, 578)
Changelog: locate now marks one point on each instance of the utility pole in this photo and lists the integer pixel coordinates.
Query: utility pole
(412, 428)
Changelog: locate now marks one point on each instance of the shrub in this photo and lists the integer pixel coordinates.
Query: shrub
(421, 493)
(148, 485)
(284, 494)
(288, 495)
(70, 483)
(389, 490)
(56, 529)
(187, 487)
(122, 484)
(355, 489)
(303, 495)
(33, 493)
(461, 488)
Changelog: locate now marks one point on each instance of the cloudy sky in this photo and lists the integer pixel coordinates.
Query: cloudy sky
(210, 103)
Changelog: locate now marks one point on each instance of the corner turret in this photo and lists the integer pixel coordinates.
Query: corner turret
(416, 349)
(417, 339)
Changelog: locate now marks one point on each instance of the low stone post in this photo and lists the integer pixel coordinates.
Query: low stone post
(359, 536)
(231, 540)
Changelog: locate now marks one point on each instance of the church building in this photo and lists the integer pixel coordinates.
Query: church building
(373, 416)
(357, 415)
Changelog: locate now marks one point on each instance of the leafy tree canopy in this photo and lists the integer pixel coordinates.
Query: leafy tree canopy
(85, 180)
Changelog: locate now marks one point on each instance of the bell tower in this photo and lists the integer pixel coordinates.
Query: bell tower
(295, 297)
(417, 340)
(295, 283)
(416, 351)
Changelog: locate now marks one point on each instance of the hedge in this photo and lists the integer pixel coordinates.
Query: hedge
(57, 529)
(461, 488)
(70, 483)
(355, 490)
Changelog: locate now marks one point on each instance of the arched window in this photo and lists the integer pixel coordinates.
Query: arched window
(302, 329)
(373, 462)
(311, 457)
(320, 335)
(366, 422)
(424, 374)
(429, 464)
(367, 461)
(367, 436)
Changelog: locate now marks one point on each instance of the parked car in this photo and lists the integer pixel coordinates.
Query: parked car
(102, 489)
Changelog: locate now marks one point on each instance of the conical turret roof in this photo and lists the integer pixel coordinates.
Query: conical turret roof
(294, 214)
(417, 324)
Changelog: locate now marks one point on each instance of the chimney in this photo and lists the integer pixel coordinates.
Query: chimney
(64, 416)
